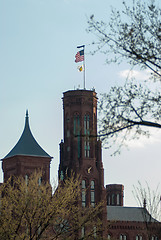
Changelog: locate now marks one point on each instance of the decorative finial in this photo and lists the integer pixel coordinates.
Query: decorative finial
(144, 203)
(27, 115)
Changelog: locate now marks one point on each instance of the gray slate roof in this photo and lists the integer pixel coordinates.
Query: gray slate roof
(27, 145)
(135, 214)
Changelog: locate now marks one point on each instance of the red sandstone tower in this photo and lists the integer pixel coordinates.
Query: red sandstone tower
(26, 157)
(115, 194)
(80, 151)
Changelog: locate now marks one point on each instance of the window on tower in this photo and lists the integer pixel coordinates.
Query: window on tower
(83, 232)
(40, 181)
(83, 193)
(118, 199)
(139, 237)
(113, 199)
(26, 179)
(77, 131)
(86, 139)
(92, 194)
(68, 133)
(109, 200)
(109, 237)
(123, 237)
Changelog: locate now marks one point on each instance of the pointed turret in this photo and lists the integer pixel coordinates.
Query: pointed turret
(26, 157)
(27, 145)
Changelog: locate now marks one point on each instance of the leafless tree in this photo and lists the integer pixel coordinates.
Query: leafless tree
(150, 203)
(133, 35)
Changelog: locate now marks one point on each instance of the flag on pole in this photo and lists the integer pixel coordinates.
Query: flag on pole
(79, 57)
(80, 68)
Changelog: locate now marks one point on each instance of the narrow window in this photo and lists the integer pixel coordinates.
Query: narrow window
(113, 199)
(83, 193)
(26, 179)
(68, 149)
(92, 194)
(154, 238)
(109, 202)
(61, 175)
(118, 199)
(68, 133)
(40, 181)
(12, 181)
(95, 232)
(139, 237)
(123, 237)
(77, 131)
(39, 230)
(86, 139)
(83, 232)
(68, 119)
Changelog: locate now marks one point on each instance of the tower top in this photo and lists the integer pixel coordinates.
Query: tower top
(27, 145)
(81, 92)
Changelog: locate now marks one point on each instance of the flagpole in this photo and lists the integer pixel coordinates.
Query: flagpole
(83, 46)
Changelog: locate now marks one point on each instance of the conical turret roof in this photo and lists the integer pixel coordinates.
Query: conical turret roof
(27, 145)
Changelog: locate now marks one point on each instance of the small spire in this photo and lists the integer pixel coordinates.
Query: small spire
(27, 115)
(144, 203)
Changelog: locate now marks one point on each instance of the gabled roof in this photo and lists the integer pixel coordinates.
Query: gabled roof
(132, 214)
(27, 145)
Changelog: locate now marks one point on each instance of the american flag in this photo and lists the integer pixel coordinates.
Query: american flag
(79, 57)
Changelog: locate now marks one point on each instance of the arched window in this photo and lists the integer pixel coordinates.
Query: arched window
(92, 193)
(154, 238)
(86, 139)
(123, 237)
(139, 237)
(77, 131)
(83, 193)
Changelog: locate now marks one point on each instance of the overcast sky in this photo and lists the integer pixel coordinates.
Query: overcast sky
(38, 42)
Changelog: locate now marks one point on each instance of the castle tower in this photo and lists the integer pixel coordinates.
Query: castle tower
(80, 151)
(26, 157)
(115, 194)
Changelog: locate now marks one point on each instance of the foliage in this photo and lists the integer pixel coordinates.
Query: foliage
(134, 35)
(28, 211)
